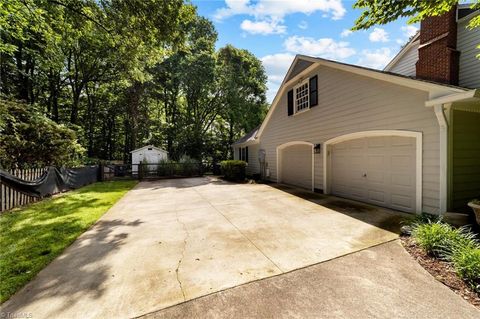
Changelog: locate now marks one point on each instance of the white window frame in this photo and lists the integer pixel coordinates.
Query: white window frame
(295, 100)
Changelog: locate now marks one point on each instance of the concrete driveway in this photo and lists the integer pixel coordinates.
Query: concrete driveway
(169, 241)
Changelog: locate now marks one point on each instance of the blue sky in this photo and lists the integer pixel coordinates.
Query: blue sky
(276, 30)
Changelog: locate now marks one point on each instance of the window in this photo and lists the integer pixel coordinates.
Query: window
(302, 101)
(243, 154)
(303, 97)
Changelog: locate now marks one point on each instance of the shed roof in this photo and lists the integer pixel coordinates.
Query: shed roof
(148, 146)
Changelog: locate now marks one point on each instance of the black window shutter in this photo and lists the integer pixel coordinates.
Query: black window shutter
(313, 88)
(290, 102)
(246, 154)
(240, 153)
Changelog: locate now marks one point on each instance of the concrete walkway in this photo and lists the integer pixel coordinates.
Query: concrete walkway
(171, 241)
(379, 282)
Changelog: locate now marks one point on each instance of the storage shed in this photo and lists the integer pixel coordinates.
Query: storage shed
(148, 154)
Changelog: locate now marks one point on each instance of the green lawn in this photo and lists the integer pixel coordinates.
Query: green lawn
(31, 237)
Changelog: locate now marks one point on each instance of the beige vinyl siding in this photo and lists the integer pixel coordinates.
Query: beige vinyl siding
(406, 65)
(253, 166)
(467, 42)
(351, 103)
(466, 158)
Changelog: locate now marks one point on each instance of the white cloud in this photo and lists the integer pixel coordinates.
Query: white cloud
(409, 30)
(276, 66)
(303, 25)
(263, 27)
(376, 59)
(324, 47)
(345, 33)
(378, 35)
(280, 8)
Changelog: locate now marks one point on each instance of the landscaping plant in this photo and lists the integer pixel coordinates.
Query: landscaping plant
(233, 170)
(458, 246)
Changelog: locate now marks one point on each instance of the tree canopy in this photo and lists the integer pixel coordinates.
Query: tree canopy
(385, 11)
(121, 74)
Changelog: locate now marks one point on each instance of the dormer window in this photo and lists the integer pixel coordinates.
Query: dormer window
(302, 100)
(303, 96)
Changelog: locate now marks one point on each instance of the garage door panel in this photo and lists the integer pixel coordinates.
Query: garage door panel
(376, 161)
(402, 180)
(378, 170)
(376, 177)
(401, 161)
(402, 202)
(296, 165)
(376, 142)
(402, 141)
(356, 144)
(377, 196)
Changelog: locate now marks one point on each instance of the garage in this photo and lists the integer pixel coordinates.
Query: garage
(380, 170)
(295, 164)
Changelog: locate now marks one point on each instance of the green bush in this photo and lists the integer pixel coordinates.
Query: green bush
(466, 261)
(233, 170)
(456, 245)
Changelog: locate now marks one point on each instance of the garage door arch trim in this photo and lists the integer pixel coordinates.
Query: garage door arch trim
(418, 157)
(279, 158)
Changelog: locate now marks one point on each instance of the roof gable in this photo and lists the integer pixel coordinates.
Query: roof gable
(410, 45)
(434, 89)
(149, 146)
(297, 68)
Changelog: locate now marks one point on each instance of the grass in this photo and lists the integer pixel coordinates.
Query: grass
(31, 237)
(456, 245)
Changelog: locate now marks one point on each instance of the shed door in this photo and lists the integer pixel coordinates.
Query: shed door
(376, 170)
(296, 165)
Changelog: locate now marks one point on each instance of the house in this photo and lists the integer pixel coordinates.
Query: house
(148, 155)
(406, 142)
(449, 33)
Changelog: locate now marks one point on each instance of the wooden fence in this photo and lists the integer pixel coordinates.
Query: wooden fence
(10, 198)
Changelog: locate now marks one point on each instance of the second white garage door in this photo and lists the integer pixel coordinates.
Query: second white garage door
(377, 170)
(296, 165)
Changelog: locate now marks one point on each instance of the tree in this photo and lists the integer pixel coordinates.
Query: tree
(28, 137)
(242, 81)
(385, 11)
(124, 73)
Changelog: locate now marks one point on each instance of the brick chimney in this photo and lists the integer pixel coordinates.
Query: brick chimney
(438, 57)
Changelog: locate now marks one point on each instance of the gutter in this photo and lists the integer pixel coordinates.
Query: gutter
(468, 96)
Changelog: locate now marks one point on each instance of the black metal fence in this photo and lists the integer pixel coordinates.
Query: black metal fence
(160, 170)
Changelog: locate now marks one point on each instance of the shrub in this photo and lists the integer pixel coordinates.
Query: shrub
(456, 245)
(466, 261)
(433, 237)
(233, 170)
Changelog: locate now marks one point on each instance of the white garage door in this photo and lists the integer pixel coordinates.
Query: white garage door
(296, 165)
(376, 170)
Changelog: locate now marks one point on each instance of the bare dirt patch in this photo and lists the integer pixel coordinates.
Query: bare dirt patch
(442, 271)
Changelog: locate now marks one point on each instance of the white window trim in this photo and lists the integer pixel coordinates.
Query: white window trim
(295, 109)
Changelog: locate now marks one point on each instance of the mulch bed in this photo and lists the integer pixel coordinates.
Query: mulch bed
(442, 271)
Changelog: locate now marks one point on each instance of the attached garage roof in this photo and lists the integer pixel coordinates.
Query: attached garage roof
(435, 89)
(249, 137)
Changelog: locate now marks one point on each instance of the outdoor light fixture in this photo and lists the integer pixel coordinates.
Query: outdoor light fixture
(317, 148)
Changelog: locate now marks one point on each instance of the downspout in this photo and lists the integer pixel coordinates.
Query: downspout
(442, 119)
